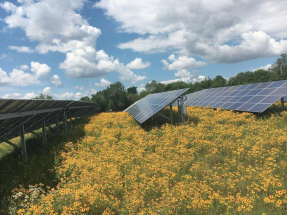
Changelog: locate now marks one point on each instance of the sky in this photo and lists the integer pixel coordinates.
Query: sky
(73, 48)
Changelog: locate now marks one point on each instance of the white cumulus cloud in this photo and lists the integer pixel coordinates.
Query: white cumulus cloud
(267, 67)
(56, 80)
(18, 78)
(57, 26)
(39, 69)
(221, 31)
(25, 49)
(103, 83)
(138, 64)
(182, 62)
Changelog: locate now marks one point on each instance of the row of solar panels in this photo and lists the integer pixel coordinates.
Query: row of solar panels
(14, 113)
(250, 97)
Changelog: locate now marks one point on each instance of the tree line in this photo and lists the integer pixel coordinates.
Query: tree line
(117, 98)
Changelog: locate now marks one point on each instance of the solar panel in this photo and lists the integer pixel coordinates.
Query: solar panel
(251, 97)
(15, 112)
(152, 104)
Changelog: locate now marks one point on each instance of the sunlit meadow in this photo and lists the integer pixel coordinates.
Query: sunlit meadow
(221, 163)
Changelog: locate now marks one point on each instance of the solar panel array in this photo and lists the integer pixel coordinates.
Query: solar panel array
(152, 104)
(14, 113)
(251, 97)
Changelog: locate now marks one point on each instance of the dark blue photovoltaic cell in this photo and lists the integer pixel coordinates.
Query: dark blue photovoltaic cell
(270, 99)
(235, 106)
(153, 103)
(234, 99)
(251, 86)
(251, 97)
(256, 99)
(263, 85)
(259, 108)
(254, 92)
(245, 98)
(266, 92)
(245, 107)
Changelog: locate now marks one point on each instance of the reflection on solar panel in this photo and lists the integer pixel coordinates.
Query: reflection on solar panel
(250, 97)
(152, 104)
(19, 116)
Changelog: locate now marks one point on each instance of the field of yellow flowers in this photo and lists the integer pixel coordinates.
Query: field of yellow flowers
(225, 163)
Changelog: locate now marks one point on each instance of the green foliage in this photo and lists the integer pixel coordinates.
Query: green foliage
(42, 96)
(85, 99)
(176, 85)
(155, 87)
(132, 90)
(114, 98)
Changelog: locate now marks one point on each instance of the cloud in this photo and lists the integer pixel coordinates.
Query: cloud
(267, 67)
(8, 6)
(24, 49)
(47, 91)
(79, 88)
(40, 70)
(13, 95)
(222, 31)
(182, 62)
(19, 96)
(3, 56)
(56, 80)
(18, 78)
(186, 76)
(157, 43)
(69, 95)
(103, 83)
(71, 35)
(138, 64)
(24, 67)
(186, 79)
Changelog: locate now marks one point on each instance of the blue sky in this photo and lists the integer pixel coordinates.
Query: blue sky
(73, 48)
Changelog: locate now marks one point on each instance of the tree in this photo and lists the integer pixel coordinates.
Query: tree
(218, 81)
(176, 85)
(42, 96)
(113, 98)
(85, 99)
(154, 87)
(132, 90)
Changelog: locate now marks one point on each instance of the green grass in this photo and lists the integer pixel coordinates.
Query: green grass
(41, 163)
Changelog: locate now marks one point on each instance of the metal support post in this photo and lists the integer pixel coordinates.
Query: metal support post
(23, 143)
(171, 114)
(179, 110)
(57, 124)
(44, 133)
(282, 103)
(182, 112)
(65, 123)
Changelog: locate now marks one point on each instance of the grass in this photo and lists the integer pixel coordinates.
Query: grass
(41, 163)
